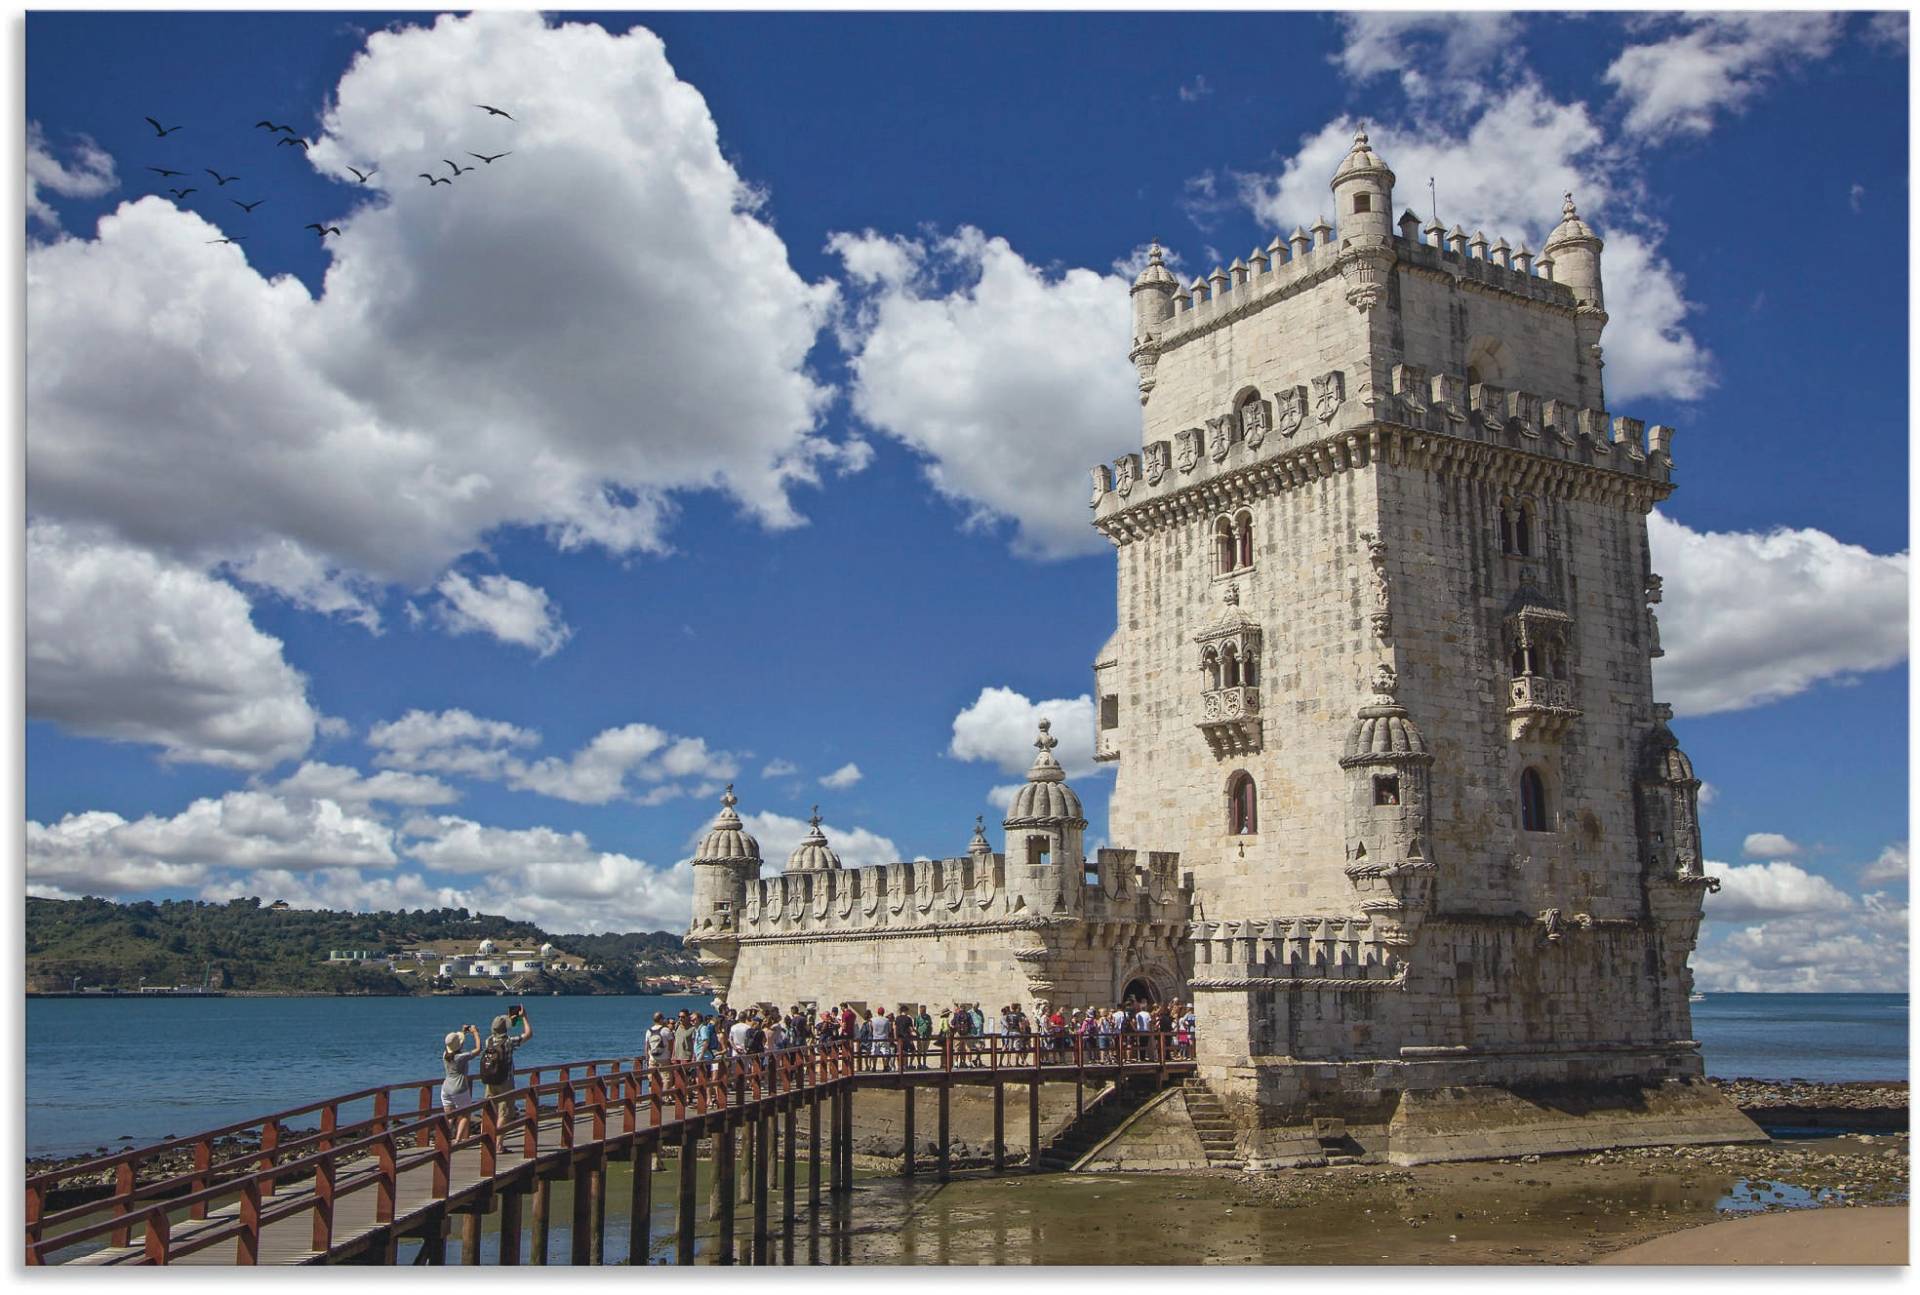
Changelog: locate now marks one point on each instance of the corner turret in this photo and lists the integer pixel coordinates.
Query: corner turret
(728, 859)
(1573, 250)
(1153, 294)
(1363, 192)
(1046, 832)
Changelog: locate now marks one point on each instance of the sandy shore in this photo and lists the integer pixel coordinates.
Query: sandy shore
(1870, 1236)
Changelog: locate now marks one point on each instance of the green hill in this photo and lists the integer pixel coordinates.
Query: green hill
(248, 946)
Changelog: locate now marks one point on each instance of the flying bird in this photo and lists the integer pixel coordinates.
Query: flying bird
(246, 206)
(258, 125)
(161, 170)
(489, 160)
(324, 230)
(212, 241)
(163, 131)
(223, 179)
(362, 176)
(498, 112)
(431, 181)
(458, 170)
(181, 194)
(295, 139)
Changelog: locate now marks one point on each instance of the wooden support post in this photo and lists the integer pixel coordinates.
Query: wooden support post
(846, 1140)
(790, 1116)
(580, 1233)
(433, 1243)
(599, 1181)
(640, 1212)
(510, 1226)
(723, 1189)
(470, 1223)
(907, 1166)
(813, 1152)
(999, 1127)
(542, 1204)
(1033, 1125)
(946, 1142)
(685, 1223)
(762, 1166)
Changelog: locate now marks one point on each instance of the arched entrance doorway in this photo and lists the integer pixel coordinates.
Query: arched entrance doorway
(1139, 991)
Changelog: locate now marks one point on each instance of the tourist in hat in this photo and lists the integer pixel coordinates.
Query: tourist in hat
(456, 1090)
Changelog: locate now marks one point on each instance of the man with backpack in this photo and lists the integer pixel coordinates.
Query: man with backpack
(496, 1056)
(659, 1043)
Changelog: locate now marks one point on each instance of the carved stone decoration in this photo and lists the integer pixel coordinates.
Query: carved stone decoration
(1219, 437)
(1102, 483)
(1253, 423)
(1187, 446)
(1653, 622)
(847, 888)
(1329, 392)
(1159, 460)
(1551, 926)
(1381, 617)
(1290, 410)
(822, 896)
(1126, 473)
(1447, 396)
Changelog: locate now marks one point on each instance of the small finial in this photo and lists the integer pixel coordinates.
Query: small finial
(814, 822)
(1046, 741)
(979, 822)
(1385, 682)
(1153, 253)
(1566, 211)
(729, 800)
(1360, 137)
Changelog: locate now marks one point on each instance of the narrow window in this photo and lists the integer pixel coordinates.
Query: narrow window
(1230, 668)
(1246, 539)
(1519, 661)
(1210, 663)
(1386, 789)
(1506, 530)
(1110, 711)
(1362, 202)
(1224, 544)
(1533, 801)
(1243, 813)
(1523, 533)
(1249, 673)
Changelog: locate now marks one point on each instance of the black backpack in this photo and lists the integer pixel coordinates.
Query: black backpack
(496, 1063)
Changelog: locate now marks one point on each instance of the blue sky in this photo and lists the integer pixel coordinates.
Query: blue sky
(734, 426)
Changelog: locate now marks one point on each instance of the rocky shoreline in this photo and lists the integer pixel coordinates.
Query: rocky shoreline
(1859, 1105)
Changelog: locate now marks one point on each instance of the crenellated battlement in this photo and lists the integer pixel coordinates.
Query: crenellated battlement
(1295, 949)
(929, 895)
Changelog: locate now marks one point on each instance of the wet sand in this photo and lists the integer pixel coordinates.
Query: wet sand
(1851, 1237)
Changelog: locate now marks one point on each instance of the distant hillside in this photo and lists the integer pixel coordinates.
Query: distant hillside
(252, 946)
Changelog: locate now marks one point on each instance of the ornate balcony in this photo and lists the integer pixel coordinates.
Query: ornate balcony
(1230, 719)
(1539, 707)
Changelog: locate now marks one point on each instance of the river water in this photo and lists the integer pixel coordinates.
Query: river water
(111, 1071)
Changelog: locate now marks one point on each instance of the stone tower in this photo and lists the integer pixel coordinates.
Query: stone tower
(1382, 679)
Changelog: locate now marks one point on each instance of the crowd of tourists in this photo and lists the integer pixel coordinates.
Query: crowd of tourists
(920, 1037)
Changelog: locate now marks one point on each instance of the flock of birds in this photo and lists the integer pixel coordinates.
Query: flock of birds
(286, 136)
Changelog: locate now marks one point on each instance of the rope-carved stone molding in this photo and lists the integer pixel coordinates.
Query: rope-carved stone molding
(911, 932)
(1397, 982)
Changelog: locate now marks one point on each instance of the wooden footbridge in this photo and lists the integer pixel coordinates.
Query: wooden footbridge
(311, 1189)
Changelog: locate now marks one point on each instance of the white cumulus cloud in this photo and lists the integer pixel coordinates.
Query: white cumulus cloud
(1457, 46)
(1760, 890)
(126, 645)
(1711, 64)
(87, 172)
(1860, 950)
(562, 341)
(1770, 845)
(1750, 618)
(1007, 378)
(857, 847)
(504, 608)
(845, 776)
(1890, 866)
(1001, 725)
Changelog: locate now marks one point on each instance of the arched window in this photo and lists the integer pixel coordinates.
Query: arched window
(1521, 664)
(1249, 669)
(1230, 667)
(1523, 532)
(1533, 801)
(1210, 663)
(1243, 809)
(1245, 536)
(1224, 545)
(1506, 528)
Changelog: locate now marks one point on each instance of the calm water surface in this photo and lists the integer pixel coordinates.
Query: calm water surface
(99, 1070)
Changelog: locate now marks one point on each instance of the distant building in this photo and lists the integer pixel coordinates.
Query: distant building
(529, 964)
(347, 955)
(456, 967)
(279, 906)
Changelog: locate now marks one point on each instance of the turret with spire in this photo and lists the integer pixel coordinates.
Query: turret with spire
(1153, 293)
(1046, 831)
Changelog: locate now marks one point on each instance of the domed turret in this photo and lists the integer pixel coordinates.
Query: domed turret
(1363, 192)
(1383, 732)
(1046, 800)
(980, 847)
(813, 854)
(726, 841)
(1153, 294)
(1574, 250)
(728, 859)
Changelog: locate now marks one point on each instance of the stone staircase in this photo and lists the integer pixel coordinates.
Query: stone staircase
(1107, 1112)
(1217, 1133)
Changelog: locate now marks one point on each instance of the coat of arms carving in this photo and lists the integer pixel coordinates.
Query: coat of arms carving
(1186, 454)
(1253, 423)
(1219, 437)
(1329, 390)
(1126, 471)
(1159, 460)
(1290, 410)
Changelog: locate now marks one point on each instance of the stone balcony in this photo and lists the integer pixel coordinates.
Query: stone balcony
(1230, 719)
(1106, 744)
(1539, 707)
